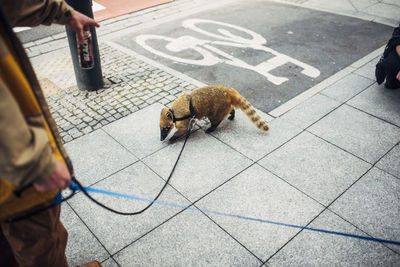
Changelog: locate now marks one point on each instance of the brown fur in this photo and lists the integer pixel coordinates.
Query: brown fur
(215, 102)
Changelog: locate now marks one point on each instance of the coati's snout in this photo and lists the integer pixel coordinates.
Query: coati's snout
(165, 132)
(166, 123)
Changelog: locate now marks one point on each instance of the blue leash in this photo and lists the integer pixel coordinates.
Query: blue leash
(73, 186)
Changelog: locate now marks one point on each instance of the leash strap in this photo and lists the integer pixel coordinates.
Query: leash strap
(191, 115)
(193, 208)
(78, 186)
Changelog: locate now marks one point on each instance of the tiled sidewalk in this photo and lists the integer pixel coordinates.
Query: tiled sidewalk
(329, 163)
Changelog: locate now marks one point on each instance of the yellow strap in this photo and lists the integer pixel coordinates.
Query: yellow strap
(13, 77)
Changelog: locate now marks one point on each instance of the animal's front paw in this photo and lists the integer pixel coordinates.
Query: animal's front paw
(172, 139)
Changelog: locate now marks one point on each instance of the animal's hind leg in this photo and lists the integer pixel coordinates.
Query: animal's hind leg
(232, 115)
(214, 125)
(212, 128)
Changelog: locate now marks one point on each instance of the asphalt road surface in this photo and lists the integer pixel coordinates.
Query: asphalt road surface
(39, 32)
(269, 52)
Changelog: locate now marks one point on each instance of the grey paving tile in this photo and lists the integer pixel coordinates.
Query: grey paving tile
(368, 70)
(110, 262)
(391, 162)
(385, 10)
(372, 204)
(379, 101)
(357, 132)
(97, 155)
(259, 194)
(189, 239)
(316, 167)
(347, 87)
(311, 248)
(311, 110)
(82, 246)
(205, 164)
(116, 231)
(243, 136)
(139, 132)
(343, 6)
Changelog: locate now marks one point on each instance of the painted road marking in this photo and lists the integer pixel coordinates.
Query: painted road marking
(278, 111)
(21, 29)
(211, 55)
(329, 44)
(97, 7)
(156, 64)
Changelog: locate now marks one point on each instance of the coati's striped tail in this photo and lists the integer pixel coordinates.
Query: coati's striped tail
(249, 110)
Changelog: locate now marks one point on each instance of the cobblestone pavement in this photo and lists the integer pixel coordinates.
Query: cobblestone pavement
(132, 85)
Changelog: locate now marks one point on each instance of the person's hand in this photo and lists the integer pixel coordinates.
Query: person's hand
(398, 76)
(79, 23)
(60, 178)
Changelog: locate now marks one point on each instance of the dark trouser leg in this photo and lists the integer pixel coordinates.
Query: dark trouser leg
(39, 240)
(6, 256)
(392, 82)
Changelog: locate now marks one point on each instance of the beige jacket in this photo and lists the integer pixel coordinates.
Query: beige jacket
(35, 12)
(29, 140)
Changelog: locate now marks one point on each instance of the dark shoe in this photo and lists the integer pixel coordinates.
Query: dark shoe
(380, 74)
(392, 84)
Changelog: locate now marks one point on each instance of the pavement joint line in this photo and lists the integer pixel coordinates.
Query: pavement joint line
(87, 227)
(292, 103)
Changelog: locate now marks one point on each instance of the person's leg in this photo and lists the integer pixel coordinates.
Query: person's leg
(391, 81)
(39, 240)
(6, 256)
(380, 73)
(392, 65)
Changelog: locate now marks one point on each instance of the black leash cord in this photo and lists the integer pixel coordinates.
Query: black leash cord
(151, 203)
(81, 188)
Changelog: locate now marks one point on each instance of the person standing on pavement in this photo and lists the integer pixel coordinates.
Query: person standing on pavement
(389, 64)
(31, 151)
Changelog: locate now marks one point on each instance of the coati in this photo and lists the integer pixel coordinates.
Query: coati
(215, 102)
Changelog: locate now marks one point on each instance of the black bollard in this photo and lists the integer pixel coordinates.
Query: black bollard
(87, 66)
